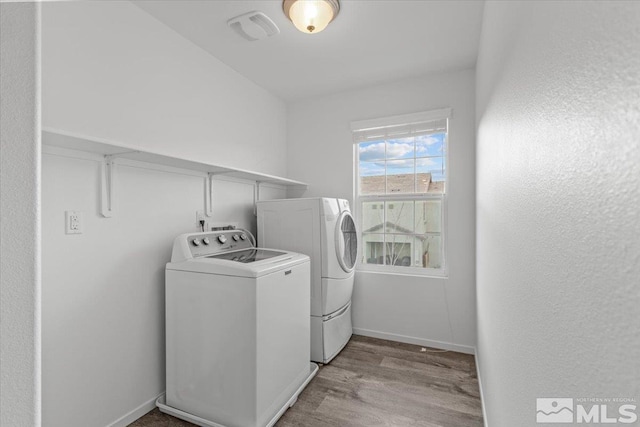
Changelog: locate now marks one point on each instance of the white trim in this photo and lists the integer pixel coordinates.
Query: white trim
(435, 273)
(484, 409)
(136, 413)
(392, 197)
(415, 340)
(405, 119)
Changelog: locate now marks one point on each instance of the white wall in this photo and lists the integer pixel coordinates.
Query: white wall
(20, 212)
(558, 196)
(111, 71)
(320, 151)
(103, 293)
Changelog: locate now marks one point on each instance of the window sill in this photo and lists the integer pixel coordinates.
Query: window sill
(432, 273)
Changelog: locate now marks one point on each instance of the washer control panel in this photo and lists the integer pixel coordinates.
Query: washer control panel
(213, 242)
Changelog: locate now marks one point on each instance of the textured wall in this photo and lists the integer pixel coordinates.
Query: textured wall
(431, 311)
(20, 212)
(558, 202)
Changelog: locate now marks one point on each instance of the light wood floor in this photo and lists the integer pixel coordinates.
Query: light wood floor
(375, 382)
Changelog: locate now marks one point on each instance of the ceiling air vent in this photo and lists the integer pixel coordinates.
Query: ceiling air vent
(253, 26)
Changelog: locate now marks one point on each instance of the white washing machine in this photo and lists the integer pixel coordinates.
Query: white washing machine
(324, 229)
(237, 330)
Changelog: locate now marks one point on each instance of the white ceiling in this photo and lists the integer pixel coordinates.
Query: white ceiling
(370, 42)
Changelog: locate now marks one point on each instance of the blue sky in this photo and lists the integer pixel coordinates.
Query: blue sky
(402, 155)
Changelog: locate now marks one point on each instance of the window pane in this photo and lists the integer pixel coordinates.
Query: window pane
(428, 215)
(430, 145)
(430, 164)
(368, 151)
(399, 250)
(430, 175)
(399, 232)
(372, 245)
(372, 217)
(428, 251)
(400, 176)
(399, 217)
(402, 148)
(372, 178)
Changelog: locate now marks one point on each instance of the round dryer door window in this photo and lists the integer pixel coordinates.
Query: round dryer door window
(346, 242)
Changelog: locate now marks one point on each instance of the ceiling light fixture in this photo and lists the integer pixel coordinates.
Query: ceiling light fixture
(311, 16)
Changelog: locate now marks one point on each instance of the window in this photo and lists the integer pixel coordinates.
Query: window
(401, 175)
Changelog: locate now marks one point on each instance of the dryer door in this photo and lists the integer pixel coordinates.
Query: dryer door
(346, 242)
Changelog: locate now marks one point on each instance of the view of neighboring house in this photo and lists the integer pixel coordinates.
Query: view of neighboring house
(412, 228)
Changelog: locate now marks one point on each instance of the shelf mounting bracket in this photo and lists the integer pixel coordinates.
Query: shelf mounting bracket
(256, 197)
(108, 183)
(208, 194)
(107, 186)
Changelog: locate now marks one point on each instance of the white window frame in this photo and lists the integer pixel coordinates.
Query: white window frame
(408, 119)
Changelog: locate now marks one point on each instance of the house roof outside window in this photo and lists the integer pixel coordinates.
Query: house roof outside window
(400, 184)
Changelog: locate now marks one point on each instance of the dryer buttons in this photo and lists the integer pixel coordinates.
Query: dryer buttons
(222, 238)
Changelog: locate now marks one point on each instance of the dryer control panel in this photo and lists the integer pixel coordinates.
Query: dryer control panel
(195, 245)
(344, 205)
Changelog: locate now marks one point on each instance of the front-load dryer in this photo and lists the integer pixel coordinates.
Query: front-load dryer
(339, 238)
(322, 228)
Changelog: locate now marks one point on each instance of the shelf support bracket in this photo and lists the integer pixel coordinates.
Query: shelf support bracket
(107, 184)
(256, 197)
(208, 194)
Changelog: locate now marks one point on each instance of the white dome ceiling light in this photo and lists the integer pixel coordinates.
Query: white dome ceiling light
(311, 16)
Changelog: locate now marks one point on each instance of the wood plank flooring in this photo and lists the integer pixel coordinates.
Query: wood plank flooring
(376, 382)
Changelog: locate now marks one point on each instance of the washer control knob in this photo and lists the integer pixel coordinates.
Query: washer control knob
(222, 238)
(196, 242)
(243, 236)
(236, 237)
(205, 240)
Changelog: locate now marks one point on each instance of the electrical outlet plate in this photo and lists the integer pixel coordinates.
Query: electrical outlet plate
(200, 216)
(73, 222)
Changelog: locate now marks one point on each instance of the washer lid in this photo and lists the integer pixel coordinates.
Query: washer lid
(248, 255)
(226, 266)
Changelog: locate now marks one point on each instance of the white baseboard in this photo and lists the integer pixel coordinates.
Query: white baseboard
(484, 409)
(414, 340)
(136, 413)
